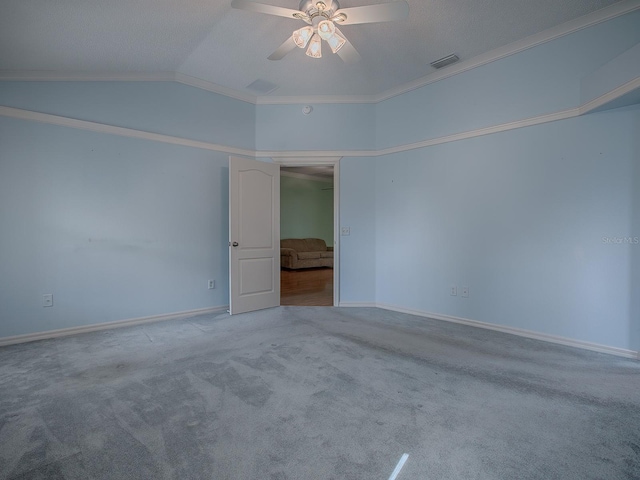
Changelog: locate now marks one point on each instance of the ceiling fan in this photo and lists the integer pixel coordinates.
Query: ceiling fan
(321, 17)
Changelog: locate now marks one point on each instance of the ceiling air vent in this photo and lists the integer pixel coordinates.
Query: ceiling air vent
(262, 87)
(444, 61)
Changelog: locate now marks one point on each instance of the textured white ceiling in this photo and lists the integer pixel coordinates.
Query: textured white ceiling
(209, 40)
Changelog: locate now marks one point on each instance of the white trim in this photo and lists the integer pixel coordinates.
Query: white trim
(569, 342)
(610, 96)
(527, 122)
(317, 99)
(589, 20)
(113, 130)
(31, 337)
(312, 157)
(305, 161)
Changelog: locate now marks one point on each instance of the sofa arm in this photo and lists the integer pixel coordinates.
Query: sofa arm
(329, 249)
(288, 252)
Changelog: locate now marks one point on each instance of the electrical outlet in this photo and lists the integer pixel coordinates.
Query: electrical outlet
(47, 300)
(212, 284)
(454, 290)
(344, 231)
(465, 291)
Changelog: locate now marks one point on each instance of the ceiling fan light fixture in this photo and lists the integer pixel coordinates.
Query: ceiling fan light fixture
(336, 42)
(315, 47)
(326, 29)
(302, 36)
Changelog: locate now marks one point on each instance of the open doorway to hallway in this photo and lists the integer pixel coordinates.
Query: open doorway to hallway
(307, 235)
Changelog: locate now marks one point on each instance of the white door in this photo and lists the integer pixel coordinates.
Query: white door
(254, 235)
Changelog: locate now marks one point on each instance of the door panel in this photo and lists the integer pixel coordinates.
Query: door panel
(254, 235)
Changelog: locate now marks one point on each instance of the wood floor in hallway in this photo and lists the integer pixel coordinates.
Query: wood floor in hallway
(307, 287)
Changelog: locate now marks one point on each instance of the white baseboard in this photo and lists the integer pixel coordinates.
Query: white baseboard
(569, 342)
(63, 332)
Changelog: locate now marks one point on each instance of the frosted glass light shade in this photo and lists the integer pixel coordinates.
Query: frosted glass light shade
(336, 42)
(315, 47)
(301, 37)
(326, 29)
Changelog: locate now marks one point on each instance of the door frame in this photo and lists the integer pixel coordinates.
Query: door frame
(335, 163)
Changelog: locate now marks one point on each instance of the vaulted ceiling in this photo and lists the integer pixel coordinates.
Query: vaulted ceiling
(209, 41)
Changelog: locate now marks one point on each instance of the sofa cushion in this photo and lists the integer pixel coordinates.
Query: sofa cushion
(297, 244)
(315, 245)
(326, 254)
(308, 255)
(304, 244)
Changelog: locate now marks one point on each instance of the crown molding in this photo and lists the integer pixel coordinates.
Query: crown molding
(302, 157)
(610, 96)
(599, 16)
(317, 99)
(20, 114)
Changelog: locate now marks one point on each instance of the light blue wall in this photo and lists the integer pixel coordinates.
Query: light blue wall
(115, 228)
(328, 127)
(519, 217)
(358, 212)
(158, 107)
(541, 80)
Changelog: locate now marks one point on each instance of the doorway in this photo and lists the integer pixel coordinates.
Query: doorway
(308, 210)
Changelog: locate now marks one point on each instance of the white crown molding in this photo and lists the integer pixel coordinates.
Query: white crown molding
(64, 332)
(287, 158)
(121, 131)
(302, 162)
(599, 16)
(317, 99)
(527, 122)
(569, 342)
(610, 96)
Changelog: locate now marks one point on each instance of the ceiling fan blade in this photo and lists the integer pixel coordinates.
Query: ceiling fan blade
(268, 9)
(384, 12)
(283, 49)
(348, 52)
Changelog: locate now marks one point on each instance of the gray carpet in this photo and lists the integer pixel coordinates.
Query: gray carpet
(315, 393)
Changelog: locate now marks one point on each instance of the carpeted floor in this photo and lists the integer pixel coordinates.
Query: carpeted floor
(315, 393)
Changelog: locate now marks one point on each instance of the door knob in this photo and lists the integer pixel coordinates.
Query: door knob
(235, 244)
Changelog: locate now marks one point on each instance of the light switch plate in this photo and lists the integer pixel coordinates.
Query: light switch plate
(47, 300)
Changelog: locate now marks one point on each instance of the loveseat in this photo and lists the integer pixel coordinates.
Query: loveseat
(305, 253)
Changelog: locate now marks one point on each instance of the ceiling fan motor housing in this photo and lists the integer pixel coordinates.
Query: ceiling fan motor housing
(315, 8)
